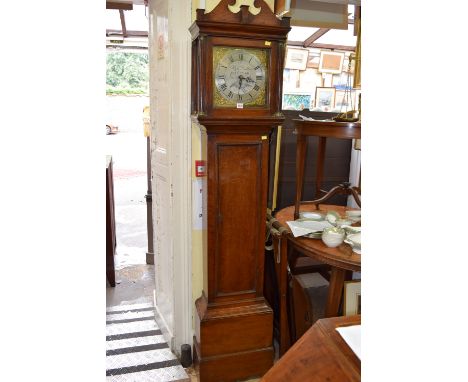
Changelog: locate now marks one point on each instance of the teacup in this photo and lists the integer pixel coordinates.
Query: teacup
(332, 217)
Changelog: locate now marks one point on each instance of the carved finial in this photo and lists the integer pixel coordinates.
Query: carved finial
(244, 14)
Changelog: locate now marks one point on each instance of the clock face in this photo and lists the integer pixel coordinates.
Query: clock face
(240, 76)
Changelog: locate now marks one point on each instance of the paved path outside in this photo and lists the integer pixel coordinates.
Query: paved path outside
(135, 279)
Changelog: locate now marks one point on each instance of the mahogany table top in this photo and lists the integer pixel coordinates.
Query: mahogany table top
(328, 129)
(319, 355)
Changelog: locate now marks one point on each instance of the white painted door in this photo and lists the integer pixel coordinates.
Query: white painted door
(169, 43)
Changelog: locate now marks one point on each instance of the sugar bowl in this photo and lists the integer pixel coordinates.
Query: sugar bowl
(333, 236)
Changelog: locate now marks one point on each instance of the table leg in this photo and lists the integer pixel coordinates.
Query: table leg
(300, 164)
(285, 340)
(320, 160)
(334, 292)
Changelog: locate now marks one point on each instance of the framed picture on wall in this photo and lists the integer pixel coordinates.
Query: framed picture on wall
(325, 98)
(331, 62)
(296, 101)
(347, 103)
(296, 58)
(313, 61)
(291, 79)
(352, 298)
(340, 81)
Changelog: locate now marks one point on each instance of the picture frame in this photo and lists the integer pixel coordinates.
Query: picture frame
(296, 58)
(325, 98)
(340, 81)
(296, 101)
(340, 100)
(313, 61)
(291, 80)
(331, 62)
(352, 298)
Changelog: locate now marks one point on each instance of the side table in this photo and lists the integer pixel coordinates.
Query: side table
(323, 130)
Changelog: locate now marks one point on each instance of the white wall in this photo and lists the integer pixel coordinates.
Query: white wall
(169, 48)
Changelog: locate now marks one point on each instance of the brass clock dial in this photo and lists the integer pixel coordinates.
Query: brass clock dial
(240, 76)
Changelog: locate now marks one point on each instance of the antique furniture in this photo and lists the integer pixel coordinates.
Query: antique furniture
(342, 261)
(336, 164)
(237, 67)
(110, 223)
(321, 354)
(323, 130)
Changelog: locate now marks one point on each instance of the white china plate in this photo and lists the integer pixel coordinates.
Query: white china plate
(311, 215)
(315, 225)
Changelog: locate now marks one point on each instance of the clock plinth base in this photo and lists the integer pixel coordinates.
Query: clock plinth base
(233, 342)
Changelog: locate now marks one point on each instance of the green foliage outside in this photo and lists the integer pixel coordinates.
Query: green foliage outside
(127, 73)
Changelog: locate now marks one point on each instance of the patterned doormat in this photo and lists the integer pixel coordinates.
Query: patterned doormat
(135, 348)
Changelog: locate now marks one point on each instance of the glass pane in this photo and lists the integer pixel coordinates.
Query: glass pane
(339, 37)
(113, 19)
(301, 33)
(136, 20)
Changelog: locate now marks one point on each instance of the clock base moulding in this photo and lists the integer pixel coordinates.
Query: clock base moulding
(233, 342)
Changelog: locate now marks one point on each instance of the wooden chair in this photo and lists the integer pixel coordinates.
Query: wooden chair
(288, 264)
(343, 189)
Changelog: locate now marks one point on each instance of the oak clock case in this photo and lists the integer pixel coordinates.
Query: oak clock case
(240, 77)
(237, 64)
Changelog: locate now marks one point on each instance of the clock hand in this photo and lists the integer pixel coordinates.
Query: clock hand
(241, 77)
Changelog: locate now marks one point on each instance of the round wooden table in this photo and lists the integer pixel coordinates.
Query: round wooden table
(341, 259)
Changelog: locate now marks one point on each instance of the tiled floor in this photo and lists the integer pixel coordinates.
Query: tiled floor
(136, 350)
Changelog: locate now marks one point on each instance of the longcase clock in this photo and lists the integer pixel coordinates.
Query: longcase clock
(237, 67)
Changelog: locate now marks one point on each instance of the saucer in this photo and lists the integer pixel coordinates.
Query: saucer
(314, 235)
(354, 240)
(353, 215)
